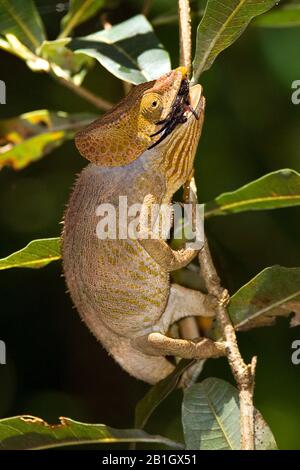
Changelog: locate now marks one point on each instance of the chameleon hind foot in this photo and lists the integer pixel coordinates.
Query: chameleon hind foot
(157, 344)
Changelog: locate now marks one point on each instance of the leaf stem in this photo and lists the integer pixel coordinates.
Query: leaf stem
(87, 95)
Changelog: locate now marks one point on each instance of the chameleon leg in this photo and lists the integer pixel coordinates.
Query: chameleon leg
(184, 302)
(157, 344)
(158, 249)
(168, 259)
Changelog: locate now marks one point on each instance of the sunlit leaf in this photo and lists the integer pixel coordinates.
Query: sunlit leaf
(12, 44)
(64, 62)
(222, 23)
(37, 254)
(278, 189)
(273, 292)
(211, 418)
(29, 137)
(79, 11)
(129, 50)
(29, 432)
(21, 18)
(285, 17)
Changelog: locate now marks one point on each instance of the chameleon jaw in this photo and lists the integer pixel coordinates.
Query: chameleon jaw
(197, 101)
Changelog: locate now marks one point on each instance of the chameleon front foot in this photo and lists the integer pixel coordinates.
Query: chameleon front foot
(167, 258)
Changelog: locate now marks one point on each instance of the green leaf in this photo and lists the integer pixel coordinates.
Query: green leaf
(79, 11)
(29, 432)
(37, 254)
(129, 50)
(12, 45)
(23, 21)
(287, 16)
(223, 22)
(158, 393)
(29, 137)
(211, 418)
(274, 291)
(273, 191)
(64, 62)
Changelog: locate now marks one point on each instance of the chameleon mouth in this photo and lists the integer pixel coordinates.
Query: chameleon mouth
(197, 101)
(185, 106)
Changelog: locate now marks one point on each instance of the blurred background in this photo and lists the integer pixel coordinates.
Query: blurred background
(54, 365)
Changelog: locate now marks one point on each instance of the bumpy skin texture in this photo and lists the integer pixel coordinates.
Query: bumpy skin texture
(121, 288)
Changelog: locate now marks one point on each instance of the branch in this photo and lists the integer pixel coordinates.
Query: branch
(244, 374)
(146, 7)
(98, 102)
(185, 33)
(188, 326)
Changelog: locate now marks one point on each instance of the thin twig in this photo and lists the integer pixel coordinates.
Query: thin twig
(146, 7)
(185, 33)
(98, 102)
(188, 326)
(244, 374)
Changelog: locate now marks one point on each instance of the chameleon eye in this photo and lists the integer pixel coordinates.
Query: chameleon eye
(151, 105)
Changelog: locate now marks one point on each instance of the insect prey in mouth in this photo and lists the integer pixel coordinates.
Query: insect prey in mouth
(177, 114)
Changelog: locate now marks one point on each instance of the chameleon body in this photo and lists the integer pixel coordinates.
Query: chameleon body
(121, 288)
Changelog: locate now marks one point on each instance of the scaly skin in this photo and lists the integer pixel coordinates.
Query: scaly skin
(121, 288)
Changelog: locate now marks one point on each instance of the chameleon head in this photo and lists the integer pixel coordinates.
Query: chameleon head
(126, 131)
(177, 144)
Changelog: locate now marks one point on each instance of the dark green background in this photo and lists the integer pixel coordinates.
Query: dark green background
(55, 366)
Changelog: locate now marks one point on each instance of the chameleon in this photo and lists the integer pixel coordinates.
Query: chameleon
(143, 149)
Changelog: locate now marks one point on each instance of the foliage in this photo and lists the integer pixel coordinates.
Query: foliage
(211, 418)
(29, 432)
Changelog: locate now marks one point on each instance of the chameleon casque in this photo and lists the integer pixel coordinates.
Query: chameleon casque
(144, 149)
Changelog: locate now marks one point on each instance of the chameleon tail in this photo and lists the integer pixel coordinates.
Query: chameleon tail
(150, 369)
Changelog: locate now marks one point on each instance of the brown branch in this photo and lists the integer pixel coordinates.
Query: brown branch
(244, 374)
(98, 102)
(146, 7)
(185, 33)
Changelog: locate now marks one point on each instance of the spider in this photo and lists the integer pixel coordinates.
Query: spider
(177, 113)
